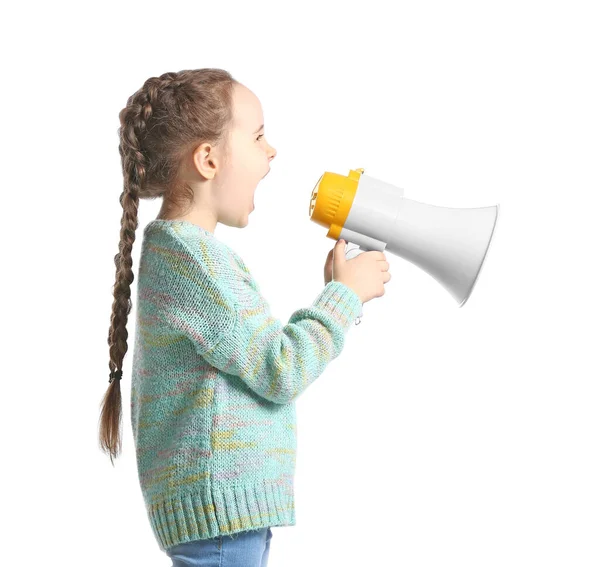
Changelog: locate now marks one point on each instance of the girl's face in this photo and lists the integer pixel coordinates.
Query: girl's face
(248, 161)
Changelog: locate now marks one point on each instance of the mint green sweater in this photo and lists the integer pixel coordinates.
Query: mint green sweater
(215, 379)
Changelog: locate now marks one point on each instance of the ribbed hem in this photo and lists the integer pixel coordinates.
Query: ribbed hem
(340, 301)
(211, 512)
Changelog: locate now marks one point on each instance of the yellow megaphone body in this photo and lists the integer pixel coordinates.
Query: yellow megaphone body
(450, 244)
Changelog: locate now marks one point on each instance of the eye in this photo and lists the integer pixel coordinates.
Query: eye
(260, 137)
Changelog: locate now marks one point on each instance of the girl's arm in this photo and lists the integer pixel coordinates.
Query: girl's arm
(220, 309)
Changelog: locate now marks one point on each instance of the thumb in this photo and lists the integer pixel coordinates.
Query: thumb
(339, 251)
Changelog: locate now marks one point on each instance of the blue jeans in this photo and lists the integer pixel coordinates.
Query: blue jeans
(243, 549)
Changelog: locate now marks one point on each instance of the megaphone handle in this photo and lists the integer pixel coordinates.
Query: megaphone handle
(353, 250)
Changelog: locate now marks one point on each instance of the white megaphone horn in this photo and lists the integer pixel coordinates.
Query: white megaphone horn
(450, 244)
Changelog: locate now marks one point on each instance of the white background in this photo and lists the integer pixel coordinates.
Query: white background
(440, 436)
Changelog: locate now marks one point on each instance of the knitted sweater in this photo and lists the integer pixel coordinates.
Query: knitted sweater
(214, 384)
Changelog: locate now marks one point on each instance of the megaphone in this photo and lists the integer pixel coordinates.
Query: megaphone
(450, 244)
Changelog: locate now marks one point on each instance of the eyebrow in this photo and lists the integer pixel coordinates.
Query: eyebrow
(261, 127)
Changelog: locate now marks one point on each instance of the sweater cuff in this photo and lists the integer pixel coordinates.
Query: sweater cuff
(341, 302)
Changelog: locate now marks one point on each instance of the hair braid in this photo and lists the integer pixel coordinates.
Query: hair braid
(133, 125)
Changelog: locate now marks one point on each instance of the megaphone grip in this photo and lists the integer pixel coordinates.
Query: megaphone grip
(352, 250)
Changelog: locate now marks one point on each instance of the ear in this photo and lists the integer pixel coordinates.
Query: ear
(205, 160)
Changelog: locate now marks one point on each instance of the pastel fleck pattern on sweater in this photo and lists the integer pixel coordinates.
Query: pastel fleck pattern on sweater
(214, 384)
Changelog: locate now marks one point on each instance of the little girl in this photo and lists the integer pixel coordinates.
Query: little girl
(215, 375)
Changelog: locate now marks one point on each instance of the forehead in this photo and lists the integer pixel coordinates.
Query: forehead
(247, 111)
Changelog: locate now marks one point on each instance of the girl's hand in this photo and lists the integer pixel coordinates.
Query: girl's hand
(328, 271)
(366, 274)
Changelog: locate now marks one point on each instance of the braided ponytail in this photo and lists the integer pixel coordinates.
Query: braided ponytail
(162, 122)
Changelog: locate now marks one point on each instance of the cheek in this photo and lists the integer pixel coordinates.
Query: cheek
(252, 164)
(260, 164)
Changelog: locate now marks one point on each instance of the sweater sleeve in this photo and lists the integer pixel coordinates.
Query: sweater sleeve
(222, 311)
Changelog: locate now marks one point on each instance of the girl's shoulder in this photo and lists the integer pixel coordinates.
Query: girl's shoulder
(221, 260)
